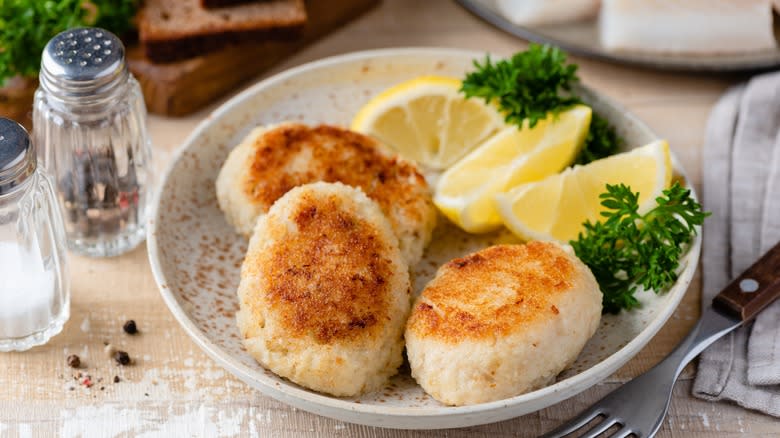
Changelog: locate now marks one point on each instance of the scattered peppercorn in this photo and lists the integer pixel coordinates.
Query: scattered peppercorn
(87, 381)
(116, 379)
(84, 203)
(130, 328)
(122, 358)
(74, 361)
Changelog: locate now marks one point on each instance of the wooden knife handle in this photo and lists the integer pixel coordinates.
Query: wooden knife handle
(754, 289)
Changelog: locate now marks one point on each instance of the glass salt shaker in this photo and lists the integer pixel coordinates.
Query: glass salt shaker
(34, 293)
(89, 121)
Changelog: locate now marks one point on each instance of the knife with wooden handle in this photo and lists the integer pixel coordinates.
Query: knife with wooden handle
(754, 289)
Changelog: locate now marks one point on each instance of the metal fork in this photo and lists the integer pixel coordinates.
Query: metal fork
(639, 406)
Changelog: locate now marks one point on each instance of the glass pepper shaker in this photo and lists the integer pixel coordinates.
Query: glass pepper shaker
(34, 293)
(89, 122)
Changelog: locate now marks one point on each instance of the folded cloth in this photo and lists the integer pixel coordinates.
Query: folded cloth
(741, 188)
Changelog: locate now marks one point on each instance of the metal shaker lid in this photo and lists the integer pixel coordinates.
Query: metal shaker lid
(17, 158)
(83, 55)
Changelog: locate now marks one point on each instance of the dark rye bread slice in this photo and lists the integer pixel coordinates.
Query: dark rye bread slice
(170, 30)
(222, 3)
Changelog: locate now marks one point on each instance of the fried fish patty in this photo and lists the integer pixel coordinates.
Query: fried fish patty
(324, 291)
(272, 160)
(501, 322)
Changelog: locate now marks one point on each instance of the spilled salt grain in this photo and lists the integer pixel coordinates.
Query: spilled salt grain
(25, 430)
(159, 420)
(85, 325)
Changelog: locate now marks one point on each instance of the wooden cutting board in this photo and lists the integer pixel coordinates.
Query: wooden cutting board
(180, 88)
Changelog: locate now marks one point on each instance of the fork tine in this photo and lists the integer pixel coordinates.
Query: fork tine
(601, 428)
(623, 433)
(575, 423)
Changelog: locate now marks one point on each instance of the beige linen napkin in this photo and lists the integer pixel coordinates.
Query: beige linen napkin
(741, 188)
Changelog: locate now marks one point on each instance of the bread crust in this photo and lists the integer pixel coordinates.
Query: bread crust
(173, 30)
(222, 3)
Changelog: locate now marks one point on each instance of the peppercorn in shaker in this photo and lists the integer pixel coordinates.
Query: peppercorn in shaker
(89, 122)
(34, 294)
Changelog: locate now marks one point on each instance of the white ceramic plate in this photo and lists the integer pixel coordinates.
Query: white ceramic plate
(582, 38)
(195, 255)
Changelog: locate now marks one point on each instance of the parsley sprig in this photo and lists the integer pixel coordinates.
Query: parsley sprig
(527, 86)
(27, 25)
(627, 249)
(533, 84)
(602, 141)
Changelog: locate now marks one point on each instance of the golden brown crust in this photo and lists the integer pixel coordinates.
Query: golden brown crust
(328, 279)
(332, 154)
(492, 292)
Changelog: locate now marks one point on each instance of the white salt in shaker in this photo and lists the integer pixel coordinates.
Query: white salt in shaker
(34, 292)
(89, 121)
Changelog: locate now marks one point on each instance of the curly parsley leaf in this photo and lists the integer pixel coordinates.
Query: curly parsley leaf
(527, 86)
(602, 141)
(27, 25)
(533, 84)
(628, 250)
(114, 15)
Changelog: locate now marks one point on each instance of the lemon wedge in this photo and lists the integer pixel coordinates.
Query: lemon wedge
(428, 120)
(555, 208)
(465, 192)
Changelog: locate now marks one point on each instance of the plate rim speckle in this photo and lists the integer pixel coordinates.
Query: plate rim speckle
(383, 415)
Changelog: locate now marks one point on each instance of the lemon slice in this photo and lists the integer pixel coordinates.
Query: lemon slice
(556, 207)
(428, 120)
(465, 192)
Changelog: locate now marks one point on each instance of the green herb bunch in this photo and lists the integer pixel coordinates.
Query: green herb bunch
(629, 250)
(532, 84)
(527, 86)
(27, 25)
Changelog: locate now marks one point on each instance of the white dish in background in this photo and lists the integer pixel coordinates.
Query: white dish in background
(195, 255)
(582, 38)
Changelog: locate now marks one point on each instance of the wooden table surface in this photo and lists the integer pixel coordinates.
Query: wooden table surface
(174, 389)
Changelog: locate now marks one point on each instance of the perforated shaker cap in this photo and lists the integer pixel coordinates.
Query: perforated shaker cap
(83, 55)
(17, 160)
